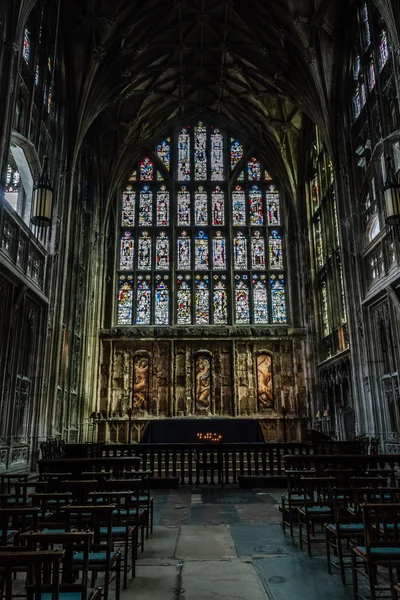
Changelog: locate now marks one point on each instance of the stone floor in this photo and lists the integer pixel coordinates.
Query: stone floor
(215, 543)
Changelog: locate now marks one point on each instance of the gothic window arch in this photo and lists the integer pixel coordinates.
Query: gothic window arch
(201, 239)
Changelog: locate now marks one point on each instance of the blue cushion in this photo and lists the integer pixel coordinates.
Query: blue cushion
(389, 526)
(114, 531)
(124, 511)
(94, 556)
(11, 532)
(66, 595)
(351, 527)
(56, 531)
(389, 551)
(318, 509)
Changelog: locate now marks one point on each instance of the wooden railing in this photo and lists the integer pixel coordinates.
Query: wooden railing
(201, 464)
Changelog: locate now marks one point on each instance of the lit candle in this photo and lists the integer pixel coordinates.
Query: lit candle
(283, 399)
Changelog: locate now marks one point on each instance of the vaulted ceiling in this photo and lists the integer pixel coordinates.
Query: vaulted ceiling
(135, 67)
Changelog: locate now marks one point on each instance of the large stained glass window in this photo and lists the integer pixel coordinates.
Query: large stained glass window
(201, 237)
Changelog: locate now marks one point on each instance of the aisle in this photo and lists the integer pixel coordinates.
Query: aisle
(227, 544)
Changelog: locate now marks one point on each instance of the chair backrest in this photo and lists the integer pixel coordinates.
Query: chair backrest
(382, 525)
(98, 518)
(371, 482)
(71, 542)
(318, 491)
(17, 519)
(38, 565)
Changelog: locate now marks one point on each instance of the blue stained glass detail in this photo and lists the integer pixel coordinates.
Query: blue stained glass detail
(239, 207)
(184, 300)
(236, 153)
(200, 207)
(125, 300)
(278, 296)
(146, 170)
(202, 299)
(162, 301)
(164, 153)
(201, 251)
(184, 156)
(143, 300)
(184, 262)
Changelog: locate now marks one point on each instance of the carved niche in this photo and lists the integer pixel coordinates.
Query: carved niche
(141, 383)
(265, 397)
(203, 383)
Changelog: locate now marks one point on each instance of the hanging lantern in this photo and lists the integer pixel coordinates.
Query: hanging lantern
(391, 192)
(42, 199)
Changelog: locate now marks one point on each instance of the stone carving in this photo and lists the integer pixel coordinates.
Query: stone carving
(264, 382)
(141, 383)
(203, 383)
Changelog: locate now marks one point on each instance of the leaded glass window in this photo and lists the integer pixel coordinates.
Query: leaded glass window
(201, 240)
(27, 47)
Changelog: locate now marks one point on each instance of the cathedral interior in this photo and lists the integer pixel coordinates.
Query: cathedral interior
(199, 218)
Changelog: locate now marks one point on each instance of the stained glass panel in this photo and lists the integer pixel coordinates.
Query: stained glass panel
(164, 153)
(162, 252)
(146, 170)
(365, 25)
(128, 207)
(240, 252)
(256, 206)
(273, 208)
(160, 176)
(371, 75)
(183, 206)
(202, 300)
(238, 207)
(383, 50)
(220, 301)
(257, 251)
(241, 176)
(217, 156)
(275, 250)
(267, 176)
(184, 251)
(184, 300)
(260, 299)
(200, 152)
(144, 252)
(254, 170)
(201, 251)
(26, 49)
(126, 252)
(184, 156)
(162, 301)
(133, 177)
(200, 207)
(278, 297)
(145, 207)
(219, 252)
(242, 300)
(218, 207)
(125, 300)
(236, 153)
(143, 300)
(163, 207)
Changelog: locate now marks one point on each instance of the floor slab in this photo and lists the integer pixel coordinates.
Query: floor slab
(163, 543)
(205, 542)
(256, 540)
(154, 583)
(221, 580)
(296, 576)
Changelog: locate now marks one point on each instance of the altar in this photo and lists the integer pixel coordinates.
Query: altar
(192, 431)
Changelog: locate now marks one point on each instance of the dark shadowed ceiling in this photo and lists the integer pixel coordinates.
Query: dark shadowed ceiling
(256, 65)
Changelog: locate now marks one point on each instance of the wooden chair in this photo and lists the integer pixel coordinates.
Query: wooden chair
(14, 521)
(138, 513)
(293, 497)
(102, 556)
(51, 517)
(316, 509)
(71, 543)
(141, 480)
(124, 531)
(43, 573)
(381, 547)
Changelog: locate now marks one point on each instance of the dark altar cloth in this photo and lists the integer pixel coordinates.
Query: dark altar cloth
(184, 431)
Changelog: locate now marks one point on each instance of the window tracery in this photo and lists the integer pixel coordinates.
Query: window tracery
(213, 257)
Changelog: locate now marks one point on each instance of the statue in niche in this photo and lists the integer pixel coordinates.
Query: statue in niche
(203, 383)
(264, 382)
(141, 383)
